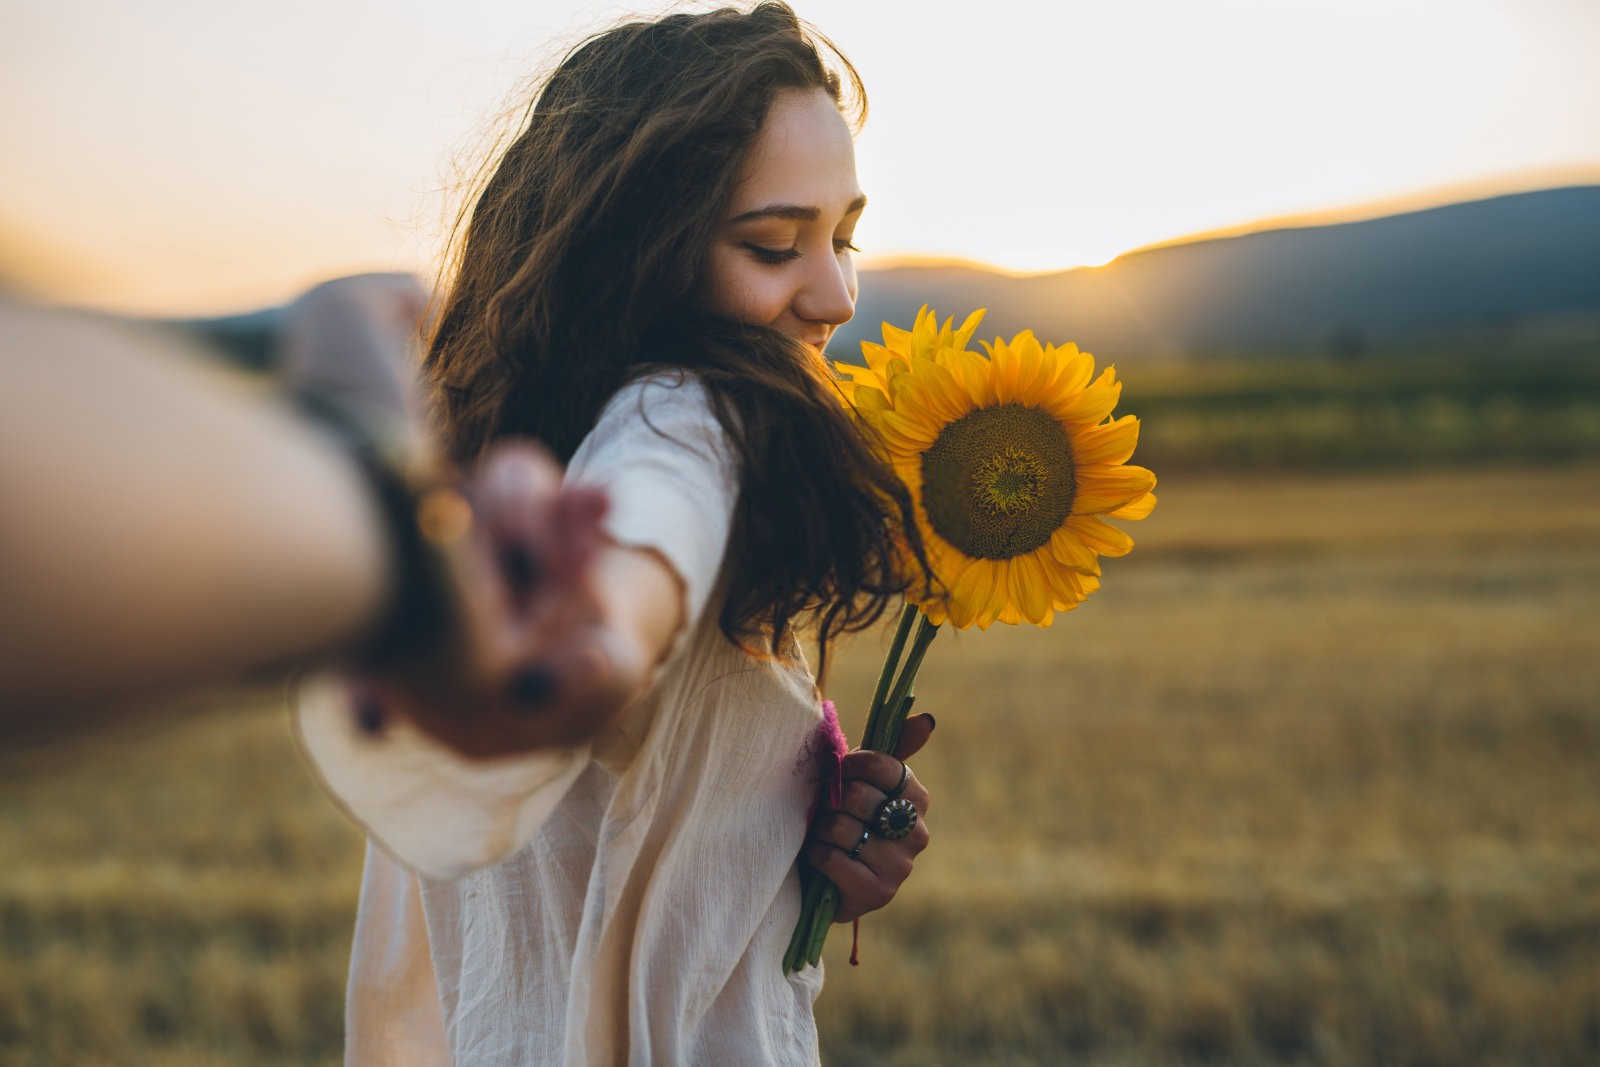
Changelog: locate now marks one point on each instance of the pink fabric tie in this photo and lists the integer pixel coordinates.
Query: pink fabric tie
(829, 747)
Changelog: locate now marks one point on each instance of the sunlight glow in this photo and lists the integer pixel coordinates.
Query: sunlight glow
(186, 157)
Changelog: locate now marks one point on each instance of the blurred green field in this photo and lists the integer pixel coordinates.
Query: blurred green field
(1465, 407)
(1312, 780)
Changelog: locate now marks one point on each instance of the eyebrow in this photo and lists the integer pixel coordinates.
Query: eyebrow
(794, 211)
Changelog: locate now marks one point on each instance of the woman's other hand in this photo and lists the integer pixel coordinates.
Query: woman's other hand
(870, 878)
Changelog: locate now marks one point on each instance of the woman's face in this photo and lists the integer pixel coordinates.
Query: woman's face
(782, 256)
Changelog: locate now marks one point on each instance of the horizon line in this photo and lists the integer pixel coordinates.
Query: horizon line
(1509, 183)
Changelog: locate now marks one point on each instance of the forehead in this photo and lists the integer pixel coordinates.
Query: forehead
(803, 155)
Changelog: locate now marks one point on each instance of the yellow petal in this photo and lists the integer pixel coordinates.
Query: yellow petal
(963, 336)
(1093, 404)
(1139, 509)
(877, 357)
(1033, 589)
(948, 399)
(932, 608)
(1030, 364)
(970, 593)
(974, 373)
(1003, 371)
(1079, 587)
(1073, 371)
(1050, 570)
(1110, 443)
(1103, 489)
(1070, 551)
(1099, 536)
(895, 339)
(911, 435)
(868, 398)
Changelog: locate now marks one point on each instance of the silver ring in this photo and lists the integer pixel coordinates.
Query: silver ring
(861, 843)
(905, 773)
(895, 818)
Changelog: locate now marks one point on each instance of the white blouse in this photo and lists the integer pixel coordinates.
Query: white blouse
(624, 902)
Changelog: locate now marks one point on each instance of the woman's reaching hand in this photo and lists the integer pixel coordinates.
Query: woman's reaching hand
(538, 656)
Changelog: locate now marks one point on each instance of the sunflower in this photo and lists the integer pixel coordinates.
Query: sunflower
(1012, 461)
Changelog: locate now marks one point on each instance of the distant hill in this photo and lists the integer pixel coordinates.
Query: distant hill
(1342, 289)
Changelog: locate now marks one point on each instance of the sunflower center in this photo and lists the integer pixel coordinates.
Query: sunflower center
(998, 482)
(1008, 481)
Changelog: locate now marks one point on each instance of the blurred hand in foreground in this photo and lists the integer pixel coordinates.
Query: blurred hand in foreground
(530, 661)
(535, 659)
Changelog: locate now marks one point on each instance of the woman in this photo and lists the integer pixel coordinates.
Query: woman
(646, 284)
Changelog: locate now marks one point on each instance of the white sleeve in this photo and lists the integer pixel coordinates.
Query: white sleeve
(665, 463)
(437, 812)
(670, 475)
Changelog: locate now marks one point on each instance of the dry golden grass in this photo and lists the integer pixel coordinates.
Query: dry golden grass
(1313, 780)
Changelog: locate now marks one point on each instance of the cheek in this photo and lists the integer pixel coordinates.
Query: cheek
(739, 288)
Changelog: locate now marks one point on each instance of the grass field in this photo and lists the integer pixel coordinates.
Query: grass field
(1315, 779)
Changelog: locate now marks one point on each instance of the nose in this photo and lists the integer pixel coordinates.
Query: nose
(828, 293)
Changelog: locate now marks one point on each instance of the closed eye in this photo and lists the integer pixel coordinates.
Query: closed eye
(843, 245)
(772, 256)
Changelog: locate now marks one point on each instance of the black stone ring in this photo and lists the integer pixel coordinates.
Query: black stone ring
(905, 774)
(895, 818)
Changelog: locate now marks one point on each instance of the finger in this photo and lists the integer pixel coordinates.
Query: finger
(841, 830)
(878, 768)
(913, 735)
(576, 690)
(576, 531)
(914, 842)
(515, 487)
(883, 771)
(860, 891)
(862, 799)
(513, 494)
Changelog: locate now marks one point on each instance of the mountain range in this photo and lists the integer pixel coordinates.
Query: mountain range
(1345, 289)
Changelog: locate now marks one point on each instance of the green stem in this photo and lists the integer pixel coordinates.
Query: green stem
(822, 922)
(894, 717)
(891, 703)
(800, 940)
(891, 663)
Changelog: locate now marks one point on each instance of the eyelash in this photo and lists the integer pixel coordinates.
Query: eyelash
(775, 258)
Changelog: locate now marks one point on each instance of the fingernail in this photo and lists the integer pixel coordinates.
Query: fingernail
(369, 716)
(531, 687)
(932, 722)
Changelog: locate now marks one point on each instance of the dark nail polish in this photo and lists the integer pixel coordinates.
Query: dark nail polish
(531, 687)
(520, 567)
(932, 722)
(369, 716)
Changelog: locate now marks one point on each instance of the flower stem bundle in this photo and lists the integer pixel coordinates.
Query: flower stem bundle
(891, 703)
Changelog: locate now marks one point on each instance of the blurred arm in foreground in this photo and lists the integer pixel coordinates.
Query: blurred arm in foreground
(164, 528)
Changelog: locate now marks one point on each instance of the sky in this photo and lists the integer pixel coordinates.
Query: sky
(190, 156)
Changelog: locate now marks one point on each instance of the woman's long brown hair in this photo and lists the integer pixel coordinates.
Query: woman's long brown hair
(577, 270)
